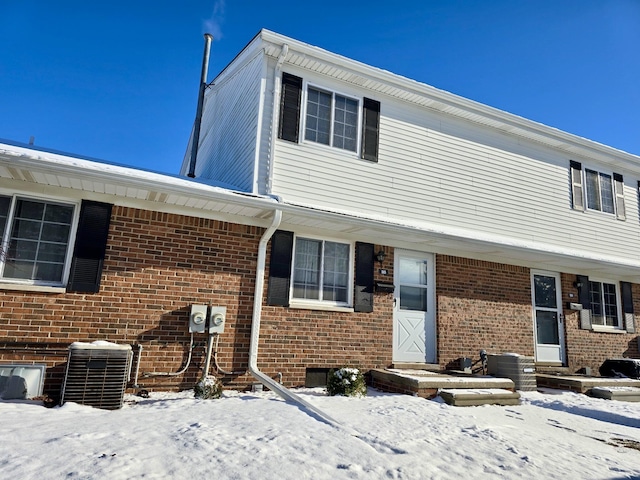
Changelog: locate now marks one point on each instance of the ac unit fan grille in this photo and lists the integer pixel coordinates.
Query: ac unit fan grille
(97, 378)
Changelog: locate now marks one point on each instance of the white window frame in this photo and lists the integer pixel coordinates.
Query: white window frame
(620, 318)
(306, 302)
(4, 241)
(333, 93)
(587, 189)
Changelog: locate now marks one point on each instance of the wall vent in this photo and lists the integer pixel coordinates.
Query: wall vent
(97, 374)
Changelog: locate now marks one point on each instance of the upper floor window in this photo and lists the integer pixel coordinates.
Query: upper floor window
(35, 239)
(329, 118)
(604, 304)
(600, 191)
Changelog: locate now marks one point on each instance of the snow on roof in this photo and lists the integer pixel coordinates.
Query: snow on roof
(74, 165)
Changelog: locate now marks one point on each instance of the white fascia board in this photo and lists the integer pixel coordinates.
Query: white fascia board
(443, 233)
(458, 106)
(62, 164)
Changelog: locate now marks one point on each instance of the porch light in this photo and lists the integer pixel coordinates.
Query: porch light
(380, 256)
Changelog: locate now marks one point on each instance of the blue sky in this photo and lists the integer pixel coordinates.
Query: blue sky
(118, 80)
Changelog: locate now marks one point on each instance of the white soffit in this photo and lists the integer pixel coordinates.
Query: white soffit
(127, 185)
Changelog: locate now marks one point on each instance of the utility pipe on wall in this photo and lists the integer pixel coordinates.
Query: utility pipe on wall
(255, 329)
(203, 85)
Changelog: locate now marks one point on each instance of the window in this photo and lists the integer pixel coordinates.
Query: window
(604, 304)
(35, 239)
(331, 119)
(599, 191)
(321, 270)
(602, 192)
(320, 263)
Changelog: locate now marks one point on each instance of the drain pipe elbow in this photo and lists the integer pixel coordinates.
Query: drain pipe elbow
(255, 329)
(259, 291)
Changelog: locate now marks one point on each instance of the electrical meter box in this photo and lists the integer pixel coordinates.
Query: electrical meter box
(217, 317)
(197, 318)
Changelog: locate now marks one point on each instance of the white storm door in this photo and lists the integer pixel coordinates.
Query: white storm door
(547, 317)
(414, 315)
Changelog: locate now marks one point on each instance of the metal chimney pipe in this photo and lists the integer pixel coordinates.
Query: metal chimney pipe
(203, 85)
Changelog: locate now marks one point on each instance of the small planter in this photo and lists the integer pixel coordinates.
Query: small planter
(346, 381)
(208, 387)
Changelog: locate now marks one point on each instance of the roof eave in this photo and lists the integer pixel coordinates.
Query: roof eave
(455, 105)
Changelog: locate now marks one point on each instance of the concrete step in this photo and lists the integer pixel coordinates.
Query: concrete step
(625, 394)
(467, 397)
(426, 384)
(582, 383)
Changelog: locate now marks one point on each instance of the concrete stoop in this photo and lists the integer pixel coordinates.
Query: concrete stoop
(583, 383)
(465, 397)
(457, 389)
(625, 394)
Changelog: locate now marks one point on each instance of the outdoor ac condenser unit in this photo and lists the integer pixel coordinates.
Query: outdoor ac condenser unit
(97, 374)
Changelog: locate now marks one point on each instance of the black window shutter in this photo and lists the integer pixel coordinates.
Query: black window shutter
(585, 300)
(280, 268)
(618, 189)
(627, 307)
(363, 298)
(90, 247)
(290, 107)
(370, 129)
(577, 195)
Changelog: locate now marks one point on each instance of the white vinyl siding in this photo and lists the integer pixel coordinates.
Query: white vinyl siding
(446, 172)
(229, 133)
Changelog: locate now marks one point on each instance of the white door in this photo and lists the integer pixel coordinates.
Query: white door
(414, 315)
(547, 317)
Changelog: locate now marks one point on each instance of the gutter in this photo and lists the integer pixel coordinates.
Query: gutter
(255, 330)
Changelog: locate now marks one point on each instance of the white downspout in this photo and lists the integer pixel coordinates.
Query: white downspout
(275, 111)
(255, 329)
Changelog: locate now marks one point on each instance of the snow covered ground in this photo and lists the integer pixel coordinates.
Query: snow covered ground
(258, 435)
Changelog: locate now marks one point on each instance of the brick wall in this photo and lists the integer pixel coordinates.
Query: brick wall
(295, 339)
(156, 266)
(587, 348)
(482, 305)
(488, 305)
